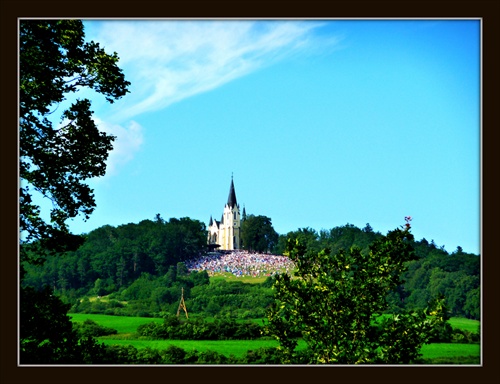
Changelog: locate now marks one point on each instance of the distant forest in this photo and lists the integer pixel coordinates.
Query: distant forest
(138, 270)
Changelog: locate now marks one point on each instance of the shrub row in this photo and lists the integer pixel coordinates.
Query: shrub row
(121, 354)
(199, 329)
(447, 334)
(89, 328)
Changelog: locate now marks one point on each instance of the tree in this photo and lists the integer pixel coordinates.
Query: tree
(46, 332)
(258, 234)
(335, 302)
(306, 236)
(55, 62)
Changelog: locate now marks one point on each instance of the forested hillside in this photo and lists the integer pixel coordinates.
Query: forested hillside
(139, 269)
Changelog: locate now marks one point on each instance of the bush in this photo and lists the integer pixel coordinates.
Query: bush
(120, 354)
(153, 330)
(442, 334)
(173, 355)
(464, 337)
(262, 356)
(211, 357)
(90, 328)
(199, 329)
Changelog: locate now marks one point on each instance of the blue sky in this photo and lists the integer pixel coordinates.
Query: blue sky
(322, 123)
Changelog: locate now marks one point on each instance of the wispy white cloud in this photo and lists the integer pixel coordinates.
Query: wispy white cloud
(127, 142)
(168, 61)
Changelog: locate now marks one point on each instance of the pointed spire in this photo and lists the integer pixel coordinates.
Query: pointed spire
(231, 200)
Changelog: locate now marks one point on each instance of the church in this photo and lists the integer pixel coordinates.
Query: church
(225, 234)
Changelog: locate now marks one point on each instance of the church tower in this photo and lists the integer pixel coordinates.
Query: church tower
(226, 232)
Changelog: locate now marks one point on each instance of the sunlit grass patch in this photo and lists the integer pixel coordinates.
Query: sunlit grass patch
(465, 324)
(451, 353)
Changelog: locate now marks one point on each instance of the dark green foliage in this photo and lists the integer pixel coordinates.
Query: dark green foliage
(262, 356)
(120, 354)
(152, 296)
(112, 258)
(464, 337)
(334, 298)
(54, 63)
(47, 335)
(199, 329)
(444, 333)
(174, 355)
(258, 234)
(456, 276)
(90, 328)
(55, 162)
(211, 357)
(128, 354)
(93, 270)
(238, 299)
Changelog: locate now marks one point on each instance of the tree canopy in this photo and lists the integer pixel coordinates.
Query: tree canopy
(258, 234)
(55, 160)
(334, 298)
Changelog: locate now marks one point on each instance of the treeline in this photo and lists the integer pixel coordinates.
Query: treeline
(112, 258)
(436, 272)
(140, 270)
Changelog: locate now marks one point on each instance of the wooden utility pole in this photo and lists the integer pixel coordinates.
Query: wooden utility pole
(182, 305)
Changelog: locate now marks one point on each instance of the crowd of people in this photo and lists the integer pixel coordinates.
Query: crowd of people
(242, 263)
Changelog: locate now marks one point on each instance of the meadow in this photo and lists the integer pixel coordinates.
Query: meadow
(465, 324)
(436, 353)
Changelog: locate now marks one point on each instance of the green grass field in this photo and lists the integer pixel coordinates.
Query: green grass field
(439, 353)
(465, 324)
(446, 353)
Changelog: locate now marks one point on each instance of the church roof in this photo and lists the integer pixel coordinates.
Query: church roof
(231, 200)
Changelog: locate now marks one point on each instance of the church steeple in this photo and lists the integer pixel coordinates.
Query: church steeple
(231, 200)
(226, 233)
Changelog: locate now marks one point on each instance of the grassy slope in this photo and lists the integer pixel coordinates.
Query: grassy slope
(245, 279)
